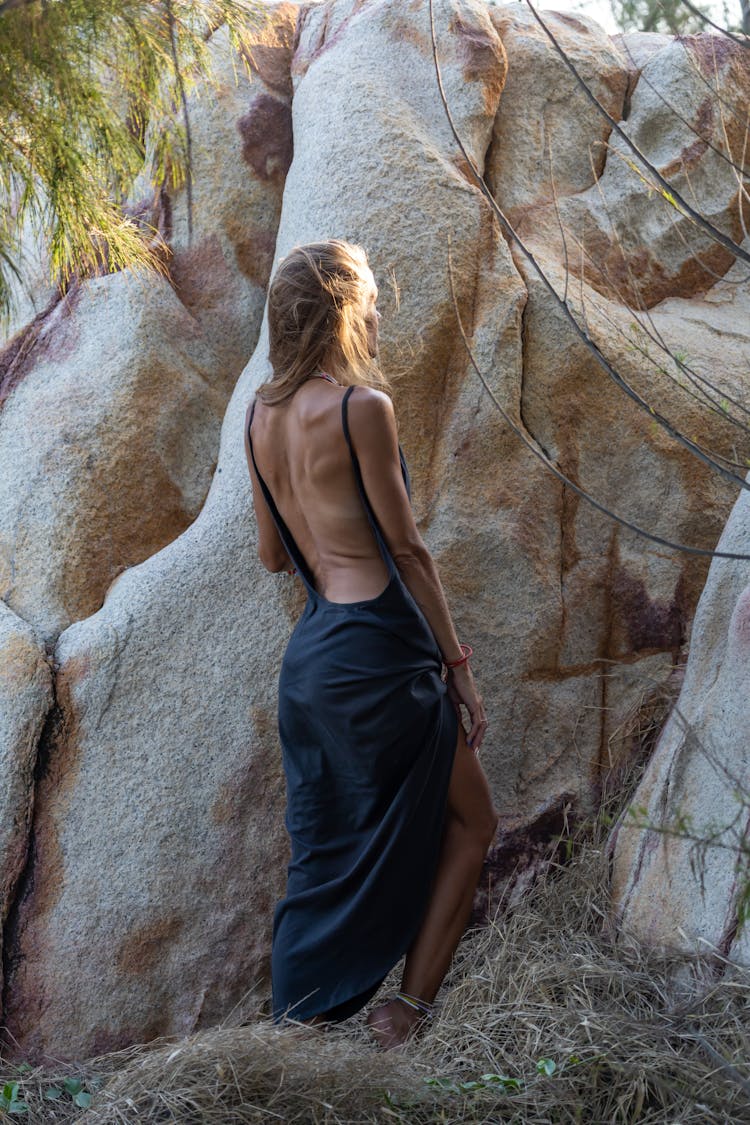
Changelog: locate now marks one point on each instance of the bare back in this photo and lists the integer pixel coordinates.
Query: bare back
(302, 454)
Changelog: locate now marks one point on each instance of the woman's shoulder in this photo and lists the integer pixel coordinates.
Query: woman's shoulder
(372, 419)
(370, 402)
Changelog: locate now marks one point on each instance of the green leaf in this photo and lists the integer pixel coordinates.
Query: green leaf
(24, 1066)
(72, 1085)
(443, 1083)
(18, 1107)
(10, 1090)
(82, 1099)
(52, 1093)
(502, 1080)
(546, 1066)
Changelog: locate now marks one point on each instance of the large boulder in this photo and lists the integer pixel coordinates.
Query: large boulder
(114, 395)
(26, 699)
(680, 865)
(630, 237)
(173, 852)
(145, 905)
(607, 620)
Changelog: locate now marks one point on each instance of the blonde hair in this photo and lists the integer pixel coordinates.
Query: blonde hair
(315, 319)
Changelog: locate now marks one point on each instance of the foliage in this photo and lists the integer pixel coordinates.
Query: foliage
(670, 16)
(548, 1017)
(80, 82)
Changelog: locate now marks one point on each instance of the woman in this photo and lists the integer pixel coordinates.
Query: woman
(388, 810)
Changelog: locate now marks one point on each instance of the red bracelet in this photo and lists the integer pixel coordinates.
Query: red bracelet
(467, 651)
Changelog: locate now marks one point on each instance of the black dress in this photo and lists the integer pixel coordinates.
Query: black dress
(368, 735)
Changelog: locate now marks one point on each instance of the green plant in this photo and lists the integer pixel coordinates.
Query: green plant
(74, 1087)
(10, 1101)
(80, 85)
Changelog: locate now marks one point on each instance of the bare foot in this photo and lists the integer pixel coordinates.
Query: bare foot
(392, 1023)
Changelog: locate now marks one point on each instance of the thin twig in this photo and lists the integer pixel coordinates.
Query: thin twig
(186, 116)
(744, 40)
(615, 375)
(532, 447)
(700, 220)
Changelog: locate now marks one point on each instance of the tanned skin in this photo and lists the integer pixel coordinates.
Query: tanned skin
(302, 453)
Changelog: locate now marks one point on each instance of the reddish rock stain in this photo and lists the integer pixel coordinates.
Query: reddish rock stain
(637, 277)
(649, 624)
(576, 24)
(523, 848)
(45, 338)
(254, 249)
(266, 133)
(485, 60)
(141, 949)
(200, 275)
(712, 52)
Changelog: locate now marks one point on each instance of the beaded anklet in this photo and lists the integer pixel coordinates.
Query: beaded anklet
(422, 1006)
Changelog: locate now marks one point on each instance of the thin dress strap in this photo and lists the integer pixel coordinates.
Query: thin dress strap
(386, 554)
(285, 534)
(290, 543)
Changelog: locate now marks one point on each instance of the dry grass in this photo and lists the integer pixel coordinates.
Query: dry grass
(632, 1040)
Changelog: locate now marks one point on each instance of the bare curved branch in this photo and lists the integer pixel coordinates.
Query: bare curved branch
(744, 41)
(700, 220)
(561, 476)
(581, 332)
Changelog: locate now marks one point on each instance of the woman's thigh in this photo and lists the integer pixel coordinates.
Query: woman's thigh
(469, 797)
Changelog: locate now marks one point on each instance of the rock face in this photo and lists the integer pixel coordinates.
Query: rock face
(25, 700)
(667, 888)
(157, 848)
(554, 136)
(632, 244)
(113, 396)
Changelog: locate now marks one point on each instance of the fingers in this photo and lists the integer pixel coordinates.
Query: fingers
(478, 726)
(465, 695)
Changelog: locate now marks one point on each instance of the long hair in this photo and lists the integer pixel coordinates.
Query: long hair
(315, 319)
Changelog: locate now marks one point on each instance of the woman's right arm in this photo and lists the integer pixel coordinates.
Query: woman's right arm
(374, 435)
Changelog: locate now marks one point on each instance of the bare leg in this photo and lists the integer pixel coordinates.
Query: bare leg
(469, 828)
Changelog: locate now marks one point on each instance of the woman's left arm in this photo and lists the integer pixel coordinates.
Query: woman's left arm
(271, 551)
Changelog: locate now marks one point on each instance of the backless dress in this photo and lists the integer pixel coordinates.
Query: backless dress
(368, 734)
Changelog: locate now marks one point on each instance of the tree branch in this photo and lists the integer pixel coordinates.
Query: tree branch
(592, 346)
(562, 477)
(186, 118)
(743, 42)
(703, 223)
